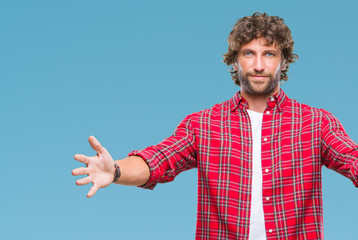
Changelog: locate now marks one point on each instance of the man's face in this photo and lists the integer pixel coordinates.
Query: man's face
(259, 68)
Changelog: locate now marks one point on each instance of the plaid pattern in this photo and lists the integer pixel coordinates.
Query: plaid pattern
(296, 141)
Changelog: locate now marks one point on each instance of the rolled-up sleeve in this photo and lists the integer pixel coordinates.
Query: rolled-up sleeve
(339, 152)
(173, 155)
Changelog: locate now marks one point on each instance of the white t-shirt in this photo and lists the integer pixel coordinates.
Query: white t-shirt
(257, 220)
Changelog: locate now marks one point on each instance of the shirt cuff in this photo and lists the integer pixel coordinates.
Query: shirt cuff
(355, 173)
(146, 155)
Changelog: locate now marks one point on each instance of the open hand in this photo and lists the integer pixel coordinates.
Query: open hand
(100, 168)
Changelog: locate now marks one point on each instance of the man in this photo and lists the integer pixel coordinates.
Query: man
(259, 154)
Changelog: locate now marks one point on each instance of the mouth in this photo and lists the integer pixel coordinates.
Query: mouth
(258, 78)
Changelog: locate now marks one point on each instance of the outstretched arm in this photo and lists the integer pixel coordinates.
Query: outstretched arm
(100, 169)
(339, 152)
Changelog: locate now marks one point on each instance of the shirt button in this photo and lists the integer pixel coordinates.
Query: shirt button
(270, 231)
(265, 139)
(267, 112)
(267, 198)
(266, 170)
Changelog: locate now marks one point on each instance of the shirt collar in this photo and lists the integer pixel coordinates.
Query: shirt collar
(279, 99)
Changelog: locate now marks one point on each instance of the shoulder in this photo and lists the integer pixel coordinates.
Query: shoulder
(218, 109)
(304, 109)
(318, 115)
(216, 112)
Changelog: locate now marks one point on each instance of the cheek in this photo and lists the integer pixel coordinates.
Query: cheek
(273, 68)
(245, 66)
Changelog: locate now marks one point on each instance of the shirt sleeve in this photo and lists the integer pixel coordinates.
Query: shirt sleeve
(173, 155)
(339, 152)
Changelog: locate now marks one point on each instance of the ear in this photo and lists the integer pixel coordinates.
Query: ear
(283, 66)
(234, 66)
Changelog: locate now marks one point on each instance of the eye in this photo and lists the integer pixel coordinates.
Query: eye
(247, 53)
(270, 54)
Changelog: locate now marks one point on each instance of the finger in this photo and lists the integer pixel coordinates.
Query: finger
(80, 171)
(84, 181)
(92, 191)
(95, 144)
(82, 158)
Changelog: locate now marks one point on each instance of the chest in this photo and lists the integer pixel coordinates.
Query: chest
(290, 143)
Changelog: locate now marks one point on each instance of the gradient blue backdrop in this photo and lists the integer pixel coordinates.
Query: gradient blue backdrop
(128, 72)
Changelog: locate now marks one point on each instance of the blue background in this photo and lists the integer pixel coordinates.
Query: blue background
(128, 72)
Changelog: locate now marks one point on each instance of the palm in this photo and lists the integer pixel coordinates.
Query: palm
(100, 168)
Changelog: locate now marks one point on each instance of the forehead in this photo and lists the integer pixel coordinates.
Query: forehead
(259, 44)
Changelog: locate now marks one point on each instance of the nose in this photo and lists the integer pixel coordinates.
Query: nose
(259, 64)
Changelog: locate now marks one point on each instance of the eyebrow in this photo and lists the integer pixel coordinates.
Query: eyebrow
(265, 51)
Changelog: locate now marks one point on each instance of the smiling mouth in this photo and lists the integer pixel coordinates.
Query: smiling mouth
(259, 76)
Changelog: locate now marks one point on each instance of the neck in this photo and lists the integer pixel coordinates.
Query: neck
(258, 103)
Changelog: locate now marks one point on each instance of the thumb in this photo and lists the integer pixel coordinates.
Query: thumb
(95, 144)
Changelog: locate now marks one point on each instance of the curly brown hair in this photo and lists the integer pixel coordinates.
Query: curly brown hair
(272, 28)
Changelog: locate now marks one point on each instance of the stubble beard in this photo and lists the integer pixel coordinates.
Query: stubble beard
(246, 85)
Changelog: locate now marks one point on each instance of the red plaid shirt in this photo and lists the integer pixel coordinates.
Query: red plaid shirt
(296, 141)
